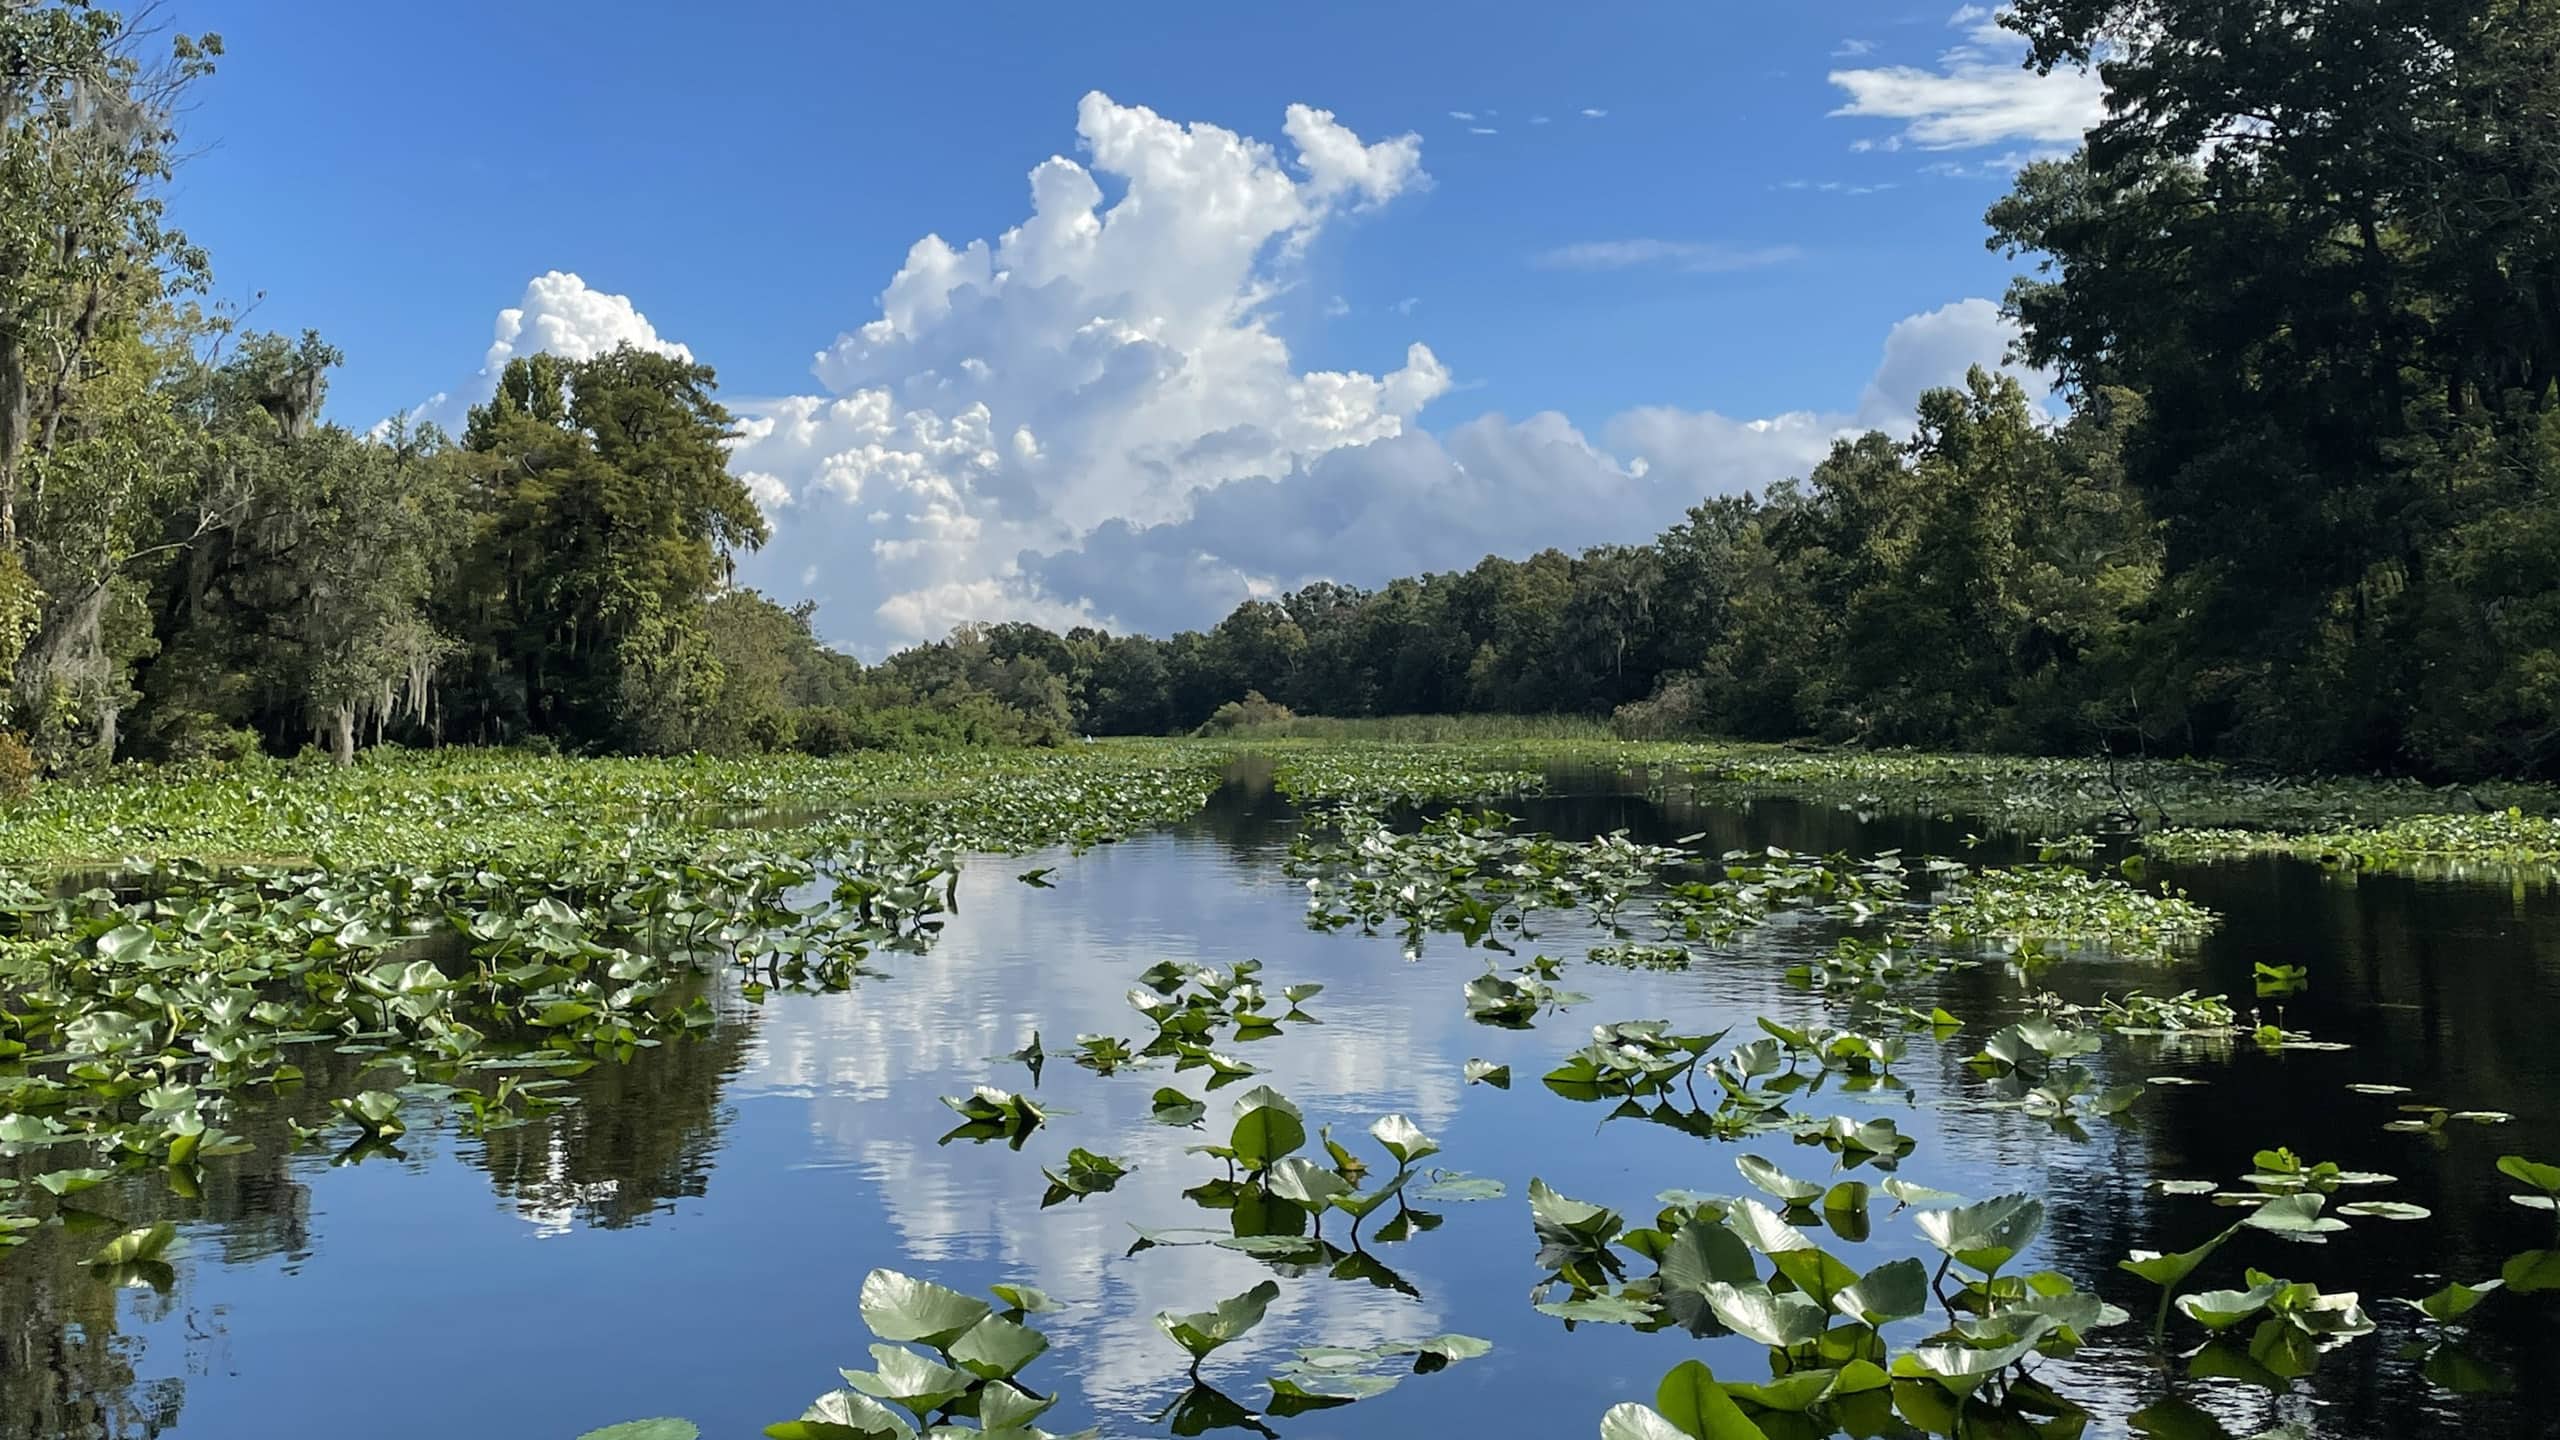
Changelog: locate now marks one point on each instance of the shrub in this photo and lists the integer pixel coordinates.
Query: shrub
(967, 722)
(824, 730)
(226, 745)
(17, 767)
(1253, 712)
(1677, 709)
(770, 730)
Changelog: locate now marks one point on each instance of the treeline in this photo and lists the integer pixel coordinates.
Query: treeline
(1984, 582)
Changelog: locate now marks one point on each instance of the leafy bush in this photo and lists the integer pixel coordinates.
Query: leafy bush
(1430, 729)
(195, 737)
(823, 731)
(770, 730)
(226, 745)
(17, 768)
(972, 721)
(1677, 709)
(1253, 712)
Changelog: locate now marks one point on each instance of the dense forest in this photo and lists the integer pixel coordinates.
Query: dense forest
(2301, 289)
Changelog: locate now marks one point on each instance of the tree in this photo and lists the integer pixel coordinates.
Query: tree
(1257, 647)
(1608, 636)
(607, 514)
(2316, 240)
(85, 256)
(300, 606)
(1131, 688)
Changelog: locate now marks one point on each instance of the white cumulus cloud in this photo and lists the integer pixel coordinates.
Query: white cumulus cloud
(1978, 94)
(1491, 486)
(560, 314)
(1096, 362)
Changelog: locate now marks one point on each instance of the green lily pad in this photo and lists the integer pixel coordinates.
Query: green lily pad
(1987, 1235)
(901, 1307)
(662, 1428)
(1202, 1331)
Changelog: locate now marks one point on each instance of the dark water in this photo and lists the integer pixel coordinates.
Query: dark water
(689, 1239)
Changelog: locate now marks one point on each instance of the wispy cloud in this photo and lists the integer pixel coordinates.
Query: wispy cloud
(1482, 130)
(1462, 114)
(1839, 187)
(1537, 119)
(1979, 94)
(1852, 49)
(1592, 112)
(1996, 167)
(1689, 256)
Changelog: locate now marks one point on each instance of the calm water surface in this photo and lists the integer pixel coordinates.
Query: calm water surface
(689, 1238)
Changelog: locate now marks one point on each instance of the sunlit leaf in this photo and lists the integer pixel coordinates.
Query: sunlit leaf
(1695, 1404)
(1774, 1181)
(902, 1307)
(663, 1428)
(1895, 1290)
(1984, 1236)
(2454, 1301)
(1202, 1331)
(2295, 1217)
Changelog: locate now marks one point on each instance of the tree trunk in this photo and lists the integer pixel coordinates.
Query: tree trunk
(13, 434)
(342, 726)
(68, 653)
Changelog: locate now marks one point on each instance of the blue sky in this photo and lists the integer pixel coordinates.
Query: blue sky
(1146, 416)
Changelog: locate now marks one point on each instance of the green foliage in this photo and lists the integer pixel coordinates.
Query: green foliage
(1432, 729)
(2344, 326)
(2029, 906)
(2544, 1179)
(659, 1428)
(584, 900)
(988, 1113)
(775, 679)
(1201, 1332)
(609, 514)
(17, 768)
(2440, 844)
(1252, 714)
(973, 1372)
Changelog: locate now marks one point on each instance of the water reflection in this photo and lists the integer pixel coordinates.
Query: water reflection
(640, 1138)
(687, 1239)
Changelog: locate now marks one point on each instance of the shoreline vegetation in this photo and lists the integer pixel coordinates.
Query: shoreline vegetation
(397, 806)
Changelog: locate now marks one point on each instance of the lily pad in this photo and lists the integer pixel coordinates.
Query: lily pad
(901, 1307)
(1201, 1331)
(1987, 1235)
(662, 1428)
